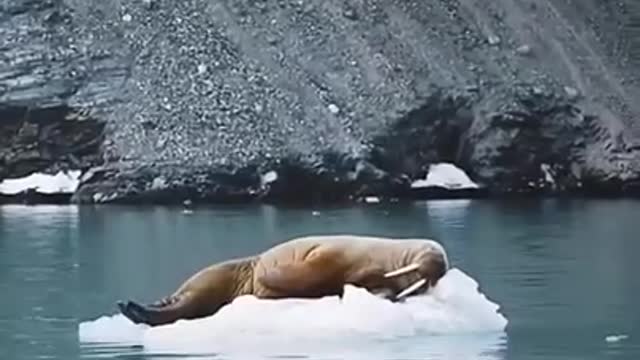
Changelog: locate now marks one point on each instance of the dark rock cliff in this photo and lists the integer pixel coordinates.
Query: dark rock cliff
(160, 101)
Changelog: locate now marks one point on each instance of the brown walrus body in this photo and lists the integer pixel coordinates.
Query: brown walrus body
(306, 267)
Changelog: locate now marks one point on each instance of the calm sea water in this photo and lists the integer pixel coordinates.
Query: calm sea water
(563, 271)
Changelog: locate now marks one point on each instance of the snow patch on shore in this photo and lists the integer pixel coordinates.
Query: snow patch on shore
(446, 175)
(60, 183)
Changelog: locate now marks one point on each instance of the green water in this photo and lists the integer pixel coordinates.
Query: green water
(564, 272)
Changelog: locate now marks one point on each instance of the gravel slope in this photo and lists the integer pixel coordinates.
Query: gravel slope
(198, 99)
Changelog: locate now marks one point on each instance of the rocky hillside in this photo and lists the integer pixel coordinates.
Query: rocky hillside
(162, 101)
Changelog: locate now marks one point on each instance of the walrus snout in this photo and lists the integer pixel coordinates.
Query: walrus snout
(434, 268)
(429, 268)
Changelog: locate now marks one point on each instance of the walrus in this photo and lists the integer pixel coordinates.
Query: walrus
(312, 266)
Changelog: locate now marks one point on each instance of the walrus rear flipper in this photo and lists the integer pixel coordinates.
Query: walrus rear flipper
(131, 315)
(153, 316)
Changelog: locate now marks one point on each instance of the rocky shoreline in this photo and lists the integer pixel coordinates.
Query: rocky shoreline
(541, 152)
(252, 101)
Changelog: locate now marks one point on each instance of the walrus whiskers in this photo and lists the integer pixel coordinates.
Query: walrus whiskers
(403, 270)
(415, 286)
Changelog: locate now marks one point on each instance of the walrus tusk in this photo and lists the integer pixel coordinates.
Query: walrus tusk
(403, 270)
(412, 288)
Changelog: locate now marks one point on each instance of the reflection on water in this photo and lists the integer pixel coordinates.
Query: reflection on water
(455, 347)
(563, 271)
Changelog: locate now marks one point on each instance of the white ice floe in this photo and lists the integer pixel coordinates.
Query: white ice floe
(372, 199)
(259, 328)
(615, 338)
(445, 175)
(60, 183)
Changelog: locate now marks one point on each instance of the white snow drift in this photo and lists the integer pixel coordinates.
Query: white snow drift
(60, 183)
(445, 175)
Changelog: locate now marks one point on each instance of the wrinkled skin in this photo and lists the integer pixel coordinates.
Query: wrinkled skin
(306, 267)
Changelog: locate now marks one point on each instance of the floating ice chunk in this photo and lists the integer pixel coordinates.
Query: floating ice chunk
(615, 338)
(445, 175)
(113, 329)
(318, 326)
(60, 183)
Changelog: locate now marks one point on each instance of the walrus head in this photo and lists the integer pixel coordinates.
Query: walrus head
(425, 269)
